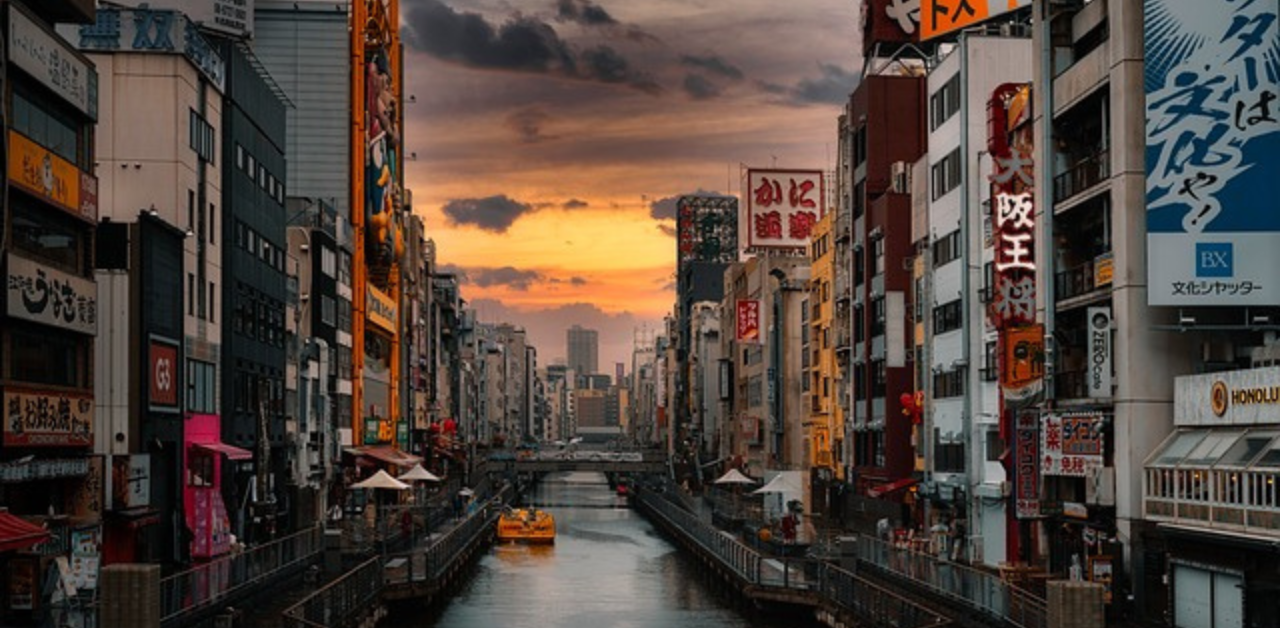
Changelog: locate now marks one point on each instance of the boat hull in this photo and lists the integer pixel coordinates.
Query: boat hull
(523, 526)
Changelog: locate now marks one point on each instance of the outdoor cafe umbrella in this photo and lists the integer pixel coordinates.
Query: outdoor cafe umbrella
(381, 479)
(418, 473)
(736, 479)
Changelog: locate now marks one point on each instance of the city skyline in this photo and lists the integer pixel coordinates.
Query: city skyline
(544, 164)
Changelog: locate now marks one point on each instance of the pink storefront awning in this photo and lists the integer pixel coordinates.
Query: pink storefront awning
(230, 451)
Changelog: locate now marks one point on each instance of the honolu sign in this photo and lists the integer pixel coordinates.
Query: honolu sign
(1248, 397)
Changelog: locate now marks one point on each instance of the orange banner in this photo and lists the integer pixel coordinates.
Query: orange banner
(37, 170)
(939, 17)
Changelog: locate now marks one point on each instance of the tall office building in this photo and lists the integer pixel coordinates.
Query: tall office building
(584, 350)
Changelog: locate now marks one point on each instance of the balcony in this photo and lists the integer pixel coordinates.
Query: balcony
(1082, 175)
(1075, 282)
(1071, 384)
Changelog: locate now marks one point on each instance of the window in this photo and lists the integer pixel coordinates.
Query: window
(859, 381)
(328, 313)
(328, 261)
(948, 384)
(877, 252)
(995, 445)
(202, 137)
(946, 248)
(945, 174)
(944, 103)
(202, 394)
(212, 290)
(38, 357)
(859, 331)
(40, 120)
(859, 268)
(239, 156)
(344, 314)
(859, 145)
(213, 223)
(49, 236)
(879, 379)
(989, 372)
(344, 268)
(191, 294)
(250, 165)
(859, 202)
(877, 317)
(191, 210)
(947, 317)
(948, 457)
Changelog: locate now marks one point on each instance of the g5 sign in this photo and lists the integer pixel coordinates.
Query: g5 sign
(163, 370)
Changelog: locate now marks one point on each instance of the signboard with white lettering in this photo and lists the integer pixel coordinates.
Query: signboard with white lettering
(232, 17)
(50, 60)
(47, 419)
(51, 297)
(381, 308)
(1247, 397)
(1212, 152)
(163, 371)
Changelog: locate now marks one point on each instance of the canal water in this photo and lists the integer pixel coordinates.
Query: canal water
(608, 569)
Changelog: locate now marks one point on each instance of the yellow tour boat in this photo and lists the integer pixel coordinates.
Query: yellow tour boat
(527, 524)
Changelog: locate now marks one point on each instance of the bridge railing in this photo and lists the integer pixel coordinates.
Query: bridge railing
(338, 603)
(221, 581)
(980, 590)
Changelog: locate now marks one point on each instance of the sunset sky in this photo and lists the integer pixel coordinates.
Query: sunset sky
(547, 140)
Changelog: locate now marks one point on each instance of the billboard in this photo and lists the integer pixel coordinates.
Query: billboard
(47, 418)
(231, 17)
(45, 295)
(1071, 444)
(707, 229)
(42, 173)
(748, 320)
(889, 22)
(939, 17)
(783, 206)
(1212, 152)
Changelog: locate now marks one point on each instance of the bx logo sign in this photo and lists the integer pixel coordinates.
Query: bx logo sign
(1214, 259)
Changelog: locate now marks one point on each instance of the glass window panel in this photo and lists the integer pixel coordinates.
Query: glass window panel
(1211, 448)
(1177, 446)
(1247, 448)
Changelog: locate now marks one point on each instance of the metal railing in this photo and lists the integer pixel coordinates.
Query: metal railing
(337, 603)
(1074, 281)
(872, 603)
(1082, 175)
(1072, 384)
(220, 581)
(979, 590)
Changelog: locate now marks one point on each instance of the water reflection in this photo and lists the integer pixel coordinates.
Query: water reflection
(608, 568)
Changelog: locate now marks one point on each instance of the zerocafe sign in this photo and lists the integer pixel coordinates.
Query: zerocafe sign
(1099, 367)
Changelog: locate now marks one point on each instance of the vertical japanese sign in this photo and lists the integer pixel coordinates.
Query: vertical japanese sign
(1071, 445)
(748, 320)
(782, 208)
(939, 17)
(1027, 465)
(1213, 150)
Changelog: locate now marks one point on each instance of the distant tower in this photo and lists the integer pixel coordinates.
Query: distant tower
(619, 372)
(584, 350)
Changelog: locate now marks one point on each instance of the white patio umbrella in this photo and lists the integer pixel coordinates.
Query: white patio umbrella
(734, 476)
(381, 479)
(418, 473)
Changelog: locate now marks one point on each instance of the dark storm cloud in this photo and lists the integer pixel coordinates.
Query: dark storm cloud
(574, 203)
(493, 213)
(606, 65)
(665, 208)
(831, 87)
(521, 44)
(699, 88)
(508, 276)
(667, 229)
(714, 64)
(589, 14)
(578, 281)
(528, 123)
(583, 12)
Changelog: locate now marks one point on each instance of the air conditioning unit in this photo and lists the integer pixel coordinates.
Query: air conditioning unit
(900, 177)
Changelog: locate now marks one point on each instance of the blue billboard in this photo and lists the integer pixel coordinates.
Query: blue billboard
(1212, 84)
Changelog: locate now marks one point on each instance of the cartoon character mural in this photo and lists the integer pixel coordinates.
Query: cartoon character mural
(382, 163)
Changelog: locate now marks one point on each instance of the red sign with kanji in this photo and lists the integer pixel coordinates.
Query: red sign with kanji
(782, 207)
(748, 320)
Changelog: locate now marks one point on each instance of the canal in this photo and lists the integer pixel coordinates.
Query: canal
(608, 568)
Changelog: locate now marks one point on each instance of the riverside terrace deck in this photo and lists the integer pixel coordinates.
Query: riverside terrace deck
(838, 597)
